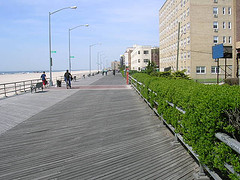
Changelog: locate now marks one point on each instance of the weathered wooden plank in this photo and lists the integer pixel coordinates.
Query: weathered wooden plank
(103, 134)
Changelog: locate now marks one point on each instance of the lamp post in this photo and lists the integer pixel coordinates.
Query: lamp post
(90, 63)
(69, 30)
(50, 48)
(99, 60)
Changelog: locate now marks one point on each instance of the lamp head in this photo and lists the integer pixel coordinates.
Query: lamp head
(73, 7)
(86, 25)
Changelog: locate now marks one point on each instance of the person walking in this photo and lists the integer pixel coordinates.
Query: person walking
(68, 79)
(43, 77)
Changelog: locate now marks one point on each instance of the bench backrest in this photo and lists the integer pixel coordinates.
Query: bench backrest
(39, 84)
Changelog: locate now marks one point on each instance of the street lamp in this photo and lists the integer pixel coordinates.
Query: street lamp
(69, 30)
(90, 63)
(50, 50)
(99, 60)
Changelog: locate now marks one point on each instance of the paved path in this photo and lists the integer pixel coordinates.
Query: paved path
(102, 131)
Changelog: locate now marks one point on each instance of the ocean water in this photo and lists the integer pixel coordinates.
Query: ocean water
(18, 72)
(27, 72)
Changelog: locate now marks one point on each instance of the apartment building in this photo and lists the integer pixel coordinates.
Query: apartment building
(140, 57)
(238, 23)
(189, 29)
(155, 56)
(127, 57)
(115, 65)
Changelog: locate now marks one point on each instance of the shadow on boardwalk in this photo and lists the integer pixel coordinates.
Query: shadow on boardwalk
(97, 134)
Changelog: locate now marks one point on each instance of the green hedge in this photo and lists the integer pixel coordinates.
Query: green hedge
(206, 109)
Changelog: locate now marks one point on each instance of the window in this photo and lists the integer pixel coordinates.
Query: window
(224, 25)
(215, 39)
(224, 10)
(229, 25)
(139, 61)
(230, 40)
(146, 60)
(200, 69)
(138, 52)
(215, 25)
(145, 52)
(224, 39)
(215, 1)
(229, 10)
(215, 10)
(214, 70)
(139, 68)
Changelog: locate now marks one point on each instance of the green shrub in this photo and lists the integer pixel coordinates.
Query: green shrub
(208, 108)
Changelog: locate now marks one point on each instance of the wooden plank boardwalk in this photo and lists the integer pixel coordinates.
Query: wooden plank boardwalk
(94, 134)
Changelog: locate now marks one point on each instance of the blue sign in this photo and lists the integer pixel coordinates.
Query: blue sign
(217, 51)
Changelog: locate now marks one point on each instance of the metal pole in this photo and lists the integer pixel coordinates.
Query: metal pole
(178, 46)
(90, 60)
(50, 55)
(98, 60)
(69, 51)
(101, 65)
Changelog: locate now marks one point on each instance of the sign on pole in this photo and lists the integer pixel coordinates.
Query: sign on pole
(53, 51)
(220, 51)
(217, 51)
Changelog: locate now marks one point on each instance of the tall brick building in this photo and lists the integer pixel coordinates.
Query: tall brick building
(237, 20)
(189, 29)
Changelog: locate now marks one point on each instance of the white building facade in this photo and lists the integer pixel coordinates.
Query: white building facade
(140, 57)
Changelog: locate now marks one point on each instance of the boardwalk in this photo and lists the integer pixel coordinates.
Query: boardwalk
(102, 130)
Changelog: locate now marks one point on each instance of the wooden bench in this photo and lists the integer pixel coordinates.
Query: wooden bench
(37, 86)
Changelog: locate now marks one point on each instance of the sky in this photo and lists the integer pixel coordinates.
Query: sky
(113, 26)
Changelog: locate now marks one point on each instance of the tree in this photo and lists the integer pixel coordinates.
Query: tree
(150, 67)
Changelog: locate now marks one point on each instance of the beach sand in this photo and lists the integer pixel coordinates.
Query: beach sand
(9, 78)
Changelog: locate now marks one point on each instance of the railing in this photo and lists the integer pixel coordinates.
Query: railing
(235, 145)
(78, 76)
(15, 88)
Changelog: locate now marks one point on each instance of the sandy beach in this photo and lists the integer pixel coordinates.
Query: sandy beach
(9, 78)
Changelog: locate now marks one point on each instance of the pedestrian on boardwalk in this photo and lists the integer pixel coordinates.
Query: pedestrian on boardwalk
(106, 72)
(68, 78)
(43, 77)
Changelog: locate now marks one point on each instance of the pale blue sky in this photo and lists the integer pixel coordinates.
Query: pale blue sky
(115, 24)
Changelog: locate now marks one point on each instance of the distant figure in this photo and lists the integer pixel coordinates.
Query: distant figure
(103, 72)
(114, 71)
(68, 79)
(106, 72)
(43, 77)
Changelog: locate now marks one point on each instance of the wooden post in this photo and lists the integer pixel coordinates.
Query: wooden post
(225, 68)
(218, 71)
